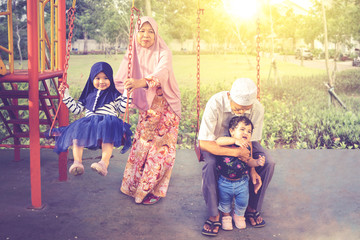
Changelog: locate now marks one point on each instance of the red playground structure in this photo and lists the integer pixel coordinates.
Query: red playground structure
(34, 91)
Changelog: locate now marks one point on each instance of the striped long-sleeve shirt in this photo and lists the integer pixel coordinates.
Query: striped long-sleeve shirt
(112, 108)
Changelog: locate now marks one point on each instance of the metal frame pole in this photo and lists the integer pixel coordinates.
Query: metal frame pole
(34, 131)
(63, 112)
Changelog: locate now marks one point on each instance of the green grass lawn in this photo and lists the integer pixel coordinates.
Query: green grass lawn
(215, 69)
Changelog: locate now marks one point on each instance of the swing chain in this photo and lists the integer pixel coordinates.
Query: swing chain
(71, 17)
(258, 58)
(131, 36)
(130, 48)
(200, 11)
(130, 41)
(196, 143)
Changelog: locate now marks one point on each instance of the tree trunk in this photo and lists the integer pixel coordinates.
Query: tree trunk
(148, 8)
(243, 46)
(334, 71)
(330, 85)
(326, 44)
(85, 43)
(272, 56)
(18, 35)
(18, 43)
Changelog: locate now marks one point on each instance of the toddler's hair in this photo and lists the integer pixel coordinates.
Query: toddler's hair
(234, 122)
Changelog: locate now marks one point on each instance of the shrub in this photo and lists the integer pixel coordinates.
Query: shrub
(297, 113)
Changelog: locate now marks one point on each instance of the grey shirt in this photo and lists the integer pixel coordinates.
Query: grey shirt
(217, 115)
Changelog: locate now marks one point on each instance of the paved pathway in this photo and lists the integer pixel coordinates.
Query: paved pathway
(318, 63)
(314, 194)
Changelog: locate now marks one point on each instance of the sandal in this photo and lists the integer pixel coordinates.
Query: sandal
(76, 168)
(213, 225)
(239, 221)
(151, 199)
(226, 223)
(254, 215)
(100, 168)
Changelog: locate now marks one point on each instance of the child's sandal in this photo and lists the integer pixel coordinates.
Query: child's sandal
(100, 168)
(239, 221)
(226, 223)
(76, 168)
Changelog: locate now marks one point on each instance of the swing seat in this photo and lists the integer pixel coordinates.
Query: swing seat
(126, 140)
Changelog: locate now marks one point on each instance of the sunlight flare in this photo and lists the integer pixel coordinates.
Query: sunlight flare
(241, 8)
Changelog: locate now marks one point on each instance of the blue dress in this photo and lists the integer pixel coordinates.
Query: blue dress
(90, 132)
(101, 123)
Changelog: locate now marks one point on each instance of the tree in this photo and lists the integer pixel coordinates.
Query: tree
(19, 29)
(148, 11)
(19, 25)
(331, 82)
(286, 24)
(217, 31)
(3, 30)
(176, 19)
(114, 30)
(89, 18)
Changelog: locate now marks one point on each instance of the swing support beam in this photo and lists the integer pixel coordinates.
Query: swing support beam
(34, 130)
(63, 116)
(33, 72)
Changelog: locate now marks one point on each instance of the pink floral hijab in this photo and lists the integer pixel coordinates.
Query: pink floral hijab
(154, 62)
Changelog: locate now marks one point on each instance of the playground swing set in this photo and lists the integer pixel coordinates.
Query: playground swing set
(49, 75)
(200, 12)
(20, 109)
(28, 94)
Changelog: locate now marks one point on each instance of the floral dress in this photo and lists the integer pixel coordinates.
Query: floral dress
(152, 155)
(232, 167)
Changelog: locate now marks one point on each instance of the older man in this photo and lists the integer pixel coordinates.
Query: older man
(241, 100)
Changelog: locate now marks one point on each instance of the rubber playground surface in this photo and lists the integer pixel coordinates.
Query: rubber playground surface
(314, 194)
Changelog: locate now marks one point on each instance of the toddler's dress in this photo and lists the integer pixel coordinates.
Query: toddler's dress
(101, 123)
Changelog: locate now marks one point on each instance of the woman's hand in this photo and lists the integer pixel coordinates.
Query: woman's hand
(131, 84)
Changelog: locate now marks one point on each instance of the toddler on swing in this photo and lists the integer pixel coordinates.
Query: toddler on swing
(101, 127)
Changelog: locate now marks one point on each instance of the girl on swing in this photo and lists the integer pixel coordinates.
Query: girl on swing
(101, 127)
(157, 97)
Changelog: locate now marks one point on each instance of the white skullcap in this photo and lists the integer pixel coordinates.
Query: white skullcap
(243, 91)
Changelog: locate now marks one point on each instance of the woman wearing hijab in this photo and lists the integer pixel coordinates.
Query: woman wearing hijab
(101, 127)
(156, 95)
